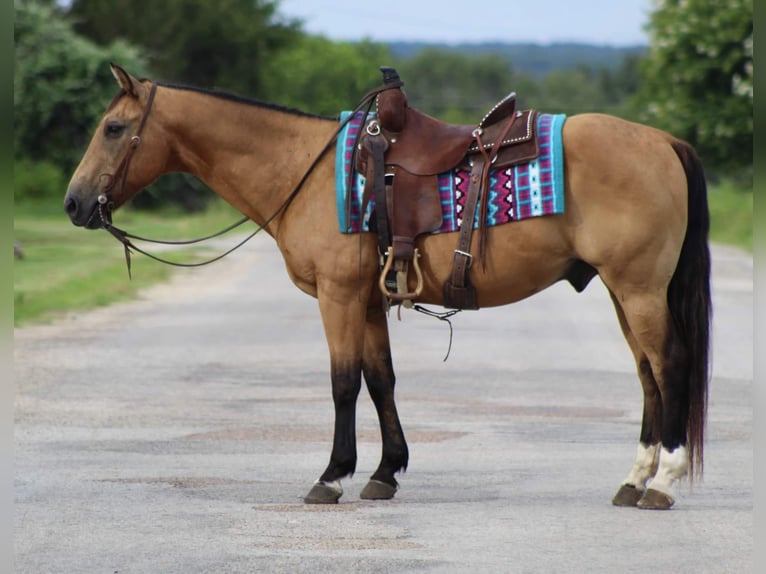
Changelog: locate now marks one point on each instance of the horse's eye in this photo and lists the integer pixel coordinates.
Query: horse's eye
(113, 130)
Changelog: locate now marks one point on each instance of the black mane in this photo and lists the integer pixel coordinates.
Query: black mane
(243, 100)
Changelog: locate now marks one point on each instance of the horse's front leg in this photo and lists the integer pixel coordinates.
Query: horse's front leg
(379, 375)
(343, 316)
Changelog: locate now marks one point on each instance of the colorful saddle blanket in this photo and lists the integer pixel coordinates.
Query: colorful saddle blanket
(516, 193)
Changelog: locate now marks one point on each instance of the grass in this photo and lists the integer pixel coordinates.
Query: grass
(68, 269)
(731, 215)
(65, 268)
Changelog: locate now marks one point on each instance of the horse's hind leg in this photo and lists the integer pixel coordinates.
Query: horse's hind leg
(379, 375)
(661, 356)
(647, 457)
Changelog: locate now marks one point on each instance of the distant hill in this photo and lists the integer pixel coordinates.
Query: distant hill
(536, 60)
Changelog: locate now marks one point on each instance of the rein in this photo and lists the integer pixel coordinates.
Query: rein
(106, 201)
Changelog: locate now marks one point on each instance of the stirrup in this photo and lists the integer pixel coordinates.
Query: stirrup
(405, 298)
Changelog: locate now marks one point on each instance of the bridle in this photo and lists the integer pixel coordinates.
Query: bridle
(106, 199)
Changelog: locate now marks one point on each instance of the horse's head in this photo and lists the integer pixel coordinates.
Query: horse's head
(126, 153)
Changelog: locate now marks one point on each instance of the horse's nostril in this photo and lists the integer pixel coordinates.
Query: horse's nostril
(70, 206)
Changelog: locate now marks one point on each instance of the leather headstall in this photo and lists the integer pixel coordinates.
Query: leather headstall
(106, 200)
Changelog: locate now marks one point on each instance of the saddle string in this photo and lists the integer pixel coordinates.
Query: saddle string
(106, 202)
(444, 316)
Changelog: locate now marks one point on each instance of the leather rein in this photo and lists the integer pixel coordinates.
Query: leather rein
(106, 202)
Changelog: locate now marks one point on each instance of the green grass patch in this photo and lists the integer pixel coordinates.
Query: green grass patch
(66, 268)
(731, 215)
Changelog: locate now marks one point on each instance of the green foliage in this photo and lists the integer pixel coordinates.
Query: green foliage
(731, 214)
(228, 44)
(699, 77)
(35, 181)
(461, 87)
(454, 86)
(61, 85)
(535, 60)
(225, 44)
(585, 89)
(317, 75)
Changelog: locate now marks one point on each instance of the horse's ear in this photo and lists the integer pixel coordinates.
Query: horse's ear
(127, 82)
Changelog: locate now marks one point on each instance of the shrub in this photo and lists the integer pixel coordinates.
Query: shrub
(38, 180)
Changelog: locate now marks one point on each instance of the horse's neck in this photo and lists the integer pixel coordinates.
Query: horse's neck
(251, 155)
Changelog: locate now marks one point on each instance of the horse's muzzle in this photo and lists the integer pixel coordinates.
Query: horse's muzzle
(83, 212)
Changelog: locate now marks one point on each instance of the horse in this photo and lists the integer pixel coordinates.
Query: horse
(636, 215)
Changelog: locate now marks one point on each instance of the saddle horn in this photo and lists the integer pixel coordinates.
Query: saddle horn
(392, 103)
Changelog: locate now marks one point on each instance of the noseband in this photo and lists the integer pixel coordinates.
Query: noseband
(106, 201)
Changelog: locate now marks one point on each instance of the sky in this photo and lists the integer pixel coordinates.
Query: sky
(603, 22)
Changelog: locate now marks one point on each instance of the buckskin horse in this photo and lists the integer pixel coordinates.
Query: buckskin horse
(636, 215)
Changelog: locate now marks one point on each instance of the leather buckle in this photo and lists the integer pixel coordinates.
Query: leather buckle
(467, 255)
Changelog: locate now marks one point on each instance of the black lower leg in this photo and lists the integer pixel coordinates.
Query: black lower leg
(346, 382)
(651, 423)
(395, 454)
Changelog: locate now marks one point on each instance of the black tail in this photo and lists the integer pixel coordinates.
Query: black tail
(690, 304)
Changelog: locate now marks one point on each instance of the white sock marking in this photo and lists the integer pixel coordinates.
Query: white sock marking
(645, 467)
(673, 465)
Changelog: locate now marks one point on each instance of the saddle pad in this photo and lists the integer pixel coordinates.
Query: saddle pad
(516, 193)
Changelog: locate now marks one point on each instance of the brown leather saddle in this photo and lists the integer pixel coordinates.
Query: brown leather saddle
(401, 153)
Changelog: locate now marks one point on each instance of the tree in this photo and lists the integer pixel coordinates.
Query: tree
(320, 76)
(585, 89)
(698, 77)
(61, 85)
(458, 87)
(225, 44)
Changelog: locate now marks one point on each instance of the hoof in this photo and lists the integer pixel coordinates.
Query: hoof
(324, 493)
(655, 500)
(377, 490)
(628, 495)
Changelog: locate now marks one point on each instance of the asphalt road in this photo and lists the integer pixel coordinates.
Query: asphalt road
(178, 434)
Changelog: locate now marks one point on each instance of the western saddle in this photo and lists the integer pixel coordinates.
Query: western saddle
(401, 152)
